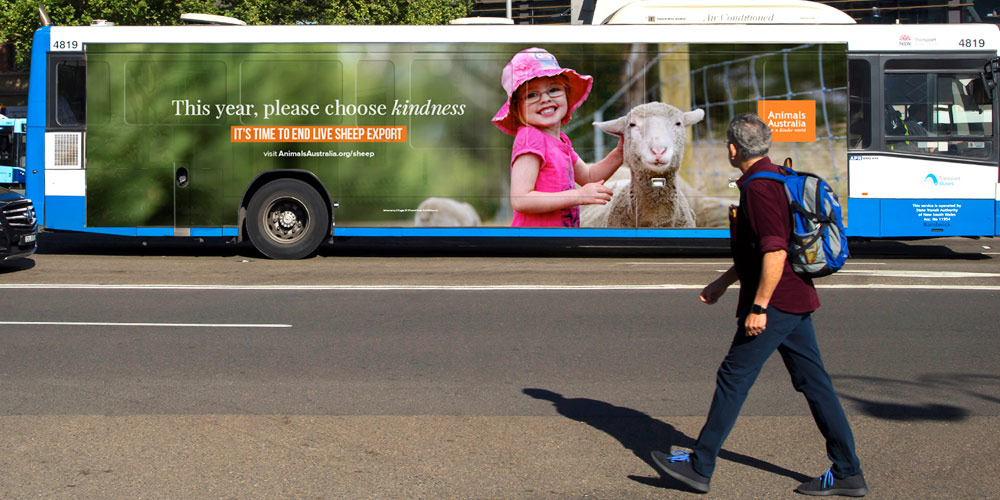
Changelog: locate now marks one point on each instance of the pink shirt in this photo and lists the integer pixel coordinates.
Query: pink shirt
(556, 174)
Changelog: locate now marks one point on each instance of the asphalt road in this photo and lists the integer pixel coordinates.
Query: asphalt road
(169, 371)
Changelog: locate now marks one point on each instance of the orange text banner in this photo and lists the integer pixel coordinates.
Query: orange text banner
(790, 121)
(318, 134)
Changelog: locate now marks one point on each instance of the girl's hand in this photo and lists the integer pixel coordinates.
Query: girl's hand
(594, 193)
(617, 155)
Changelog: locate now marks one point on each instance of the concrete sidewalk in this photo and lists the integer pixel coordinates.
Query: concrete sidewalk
(443, 457)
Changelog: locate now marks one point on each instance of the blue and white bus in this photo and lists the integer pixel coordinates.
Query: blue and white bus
(291, 135)
(12, 151)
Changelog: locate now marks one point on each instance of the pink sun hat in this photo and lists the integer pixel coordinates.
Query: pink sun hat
(535, 63)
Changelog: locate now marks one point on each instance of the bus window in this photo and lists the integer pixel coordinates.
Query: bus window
(70, 105)
(6, 145)
(859, 126)
(936, 113)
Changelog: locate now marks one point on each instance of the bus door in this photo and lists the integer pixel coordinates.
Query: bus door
(922, 145)
(112, 142)
(161, 162)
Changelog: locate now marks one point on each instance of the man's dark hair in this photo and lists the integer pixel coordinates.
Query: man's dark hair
(750, 135)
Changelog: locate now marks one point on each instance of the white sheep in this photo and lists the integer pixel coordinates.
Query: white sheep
(445, 212)
(655, 136)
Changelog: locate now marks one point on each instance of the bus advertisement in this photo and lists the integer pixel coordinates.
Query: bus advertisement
(290, 135)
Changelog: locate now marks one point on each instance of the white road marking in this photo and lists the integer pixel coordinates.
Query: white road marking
(169, 325)
(72, 286)
(673, 263)
(917, 274)
(723, 263)
(928, 286)
(347, 288)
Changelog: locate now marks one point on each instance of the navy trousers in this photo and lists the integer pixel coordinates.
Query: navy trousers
(793, 336)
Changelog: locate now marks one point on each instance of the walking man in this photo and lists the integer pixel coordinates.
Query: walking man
(774, 313)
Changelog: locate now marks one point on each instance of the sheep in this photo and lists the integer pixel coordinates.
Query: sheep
(654, 137)
(445, 212)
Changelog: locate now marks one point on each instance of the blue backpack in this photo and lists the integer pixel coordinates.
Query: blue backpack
(819, 246)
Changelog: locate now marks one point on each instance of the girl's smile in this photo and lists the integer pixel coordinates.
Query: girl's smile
(543, 104)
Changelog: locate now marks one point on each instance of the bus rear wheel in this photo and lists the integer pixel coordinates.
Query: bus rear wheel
(287, 219)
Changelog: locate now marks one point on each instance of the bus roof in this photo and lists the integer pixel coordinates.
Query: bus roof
(858, 37)
(717, 12)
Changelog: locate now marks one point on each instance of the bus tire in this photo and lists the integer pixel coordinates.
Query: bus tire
(287, 219)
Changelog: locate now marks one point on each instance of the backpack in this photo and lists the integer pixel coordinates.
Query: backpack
(819, 246)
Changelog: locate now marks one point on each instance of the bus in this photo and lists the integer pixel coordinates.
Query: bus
(290, 136)
(12, 151)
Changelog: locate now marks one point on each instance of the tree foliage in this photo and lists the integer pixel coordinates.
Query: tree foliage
(19, 18)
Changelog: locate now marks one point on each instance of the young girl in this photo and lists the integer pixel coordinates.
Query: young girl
(545, 170)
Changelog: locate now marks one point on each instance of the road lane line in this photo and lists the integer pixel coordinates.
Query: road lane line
(671, 263)
(348, 288)
(889, 273)
(174, 325)
(71, 286)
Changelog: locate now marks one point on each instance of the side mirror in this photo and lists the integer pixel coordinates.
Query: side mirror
(979, 92)
(988, 81)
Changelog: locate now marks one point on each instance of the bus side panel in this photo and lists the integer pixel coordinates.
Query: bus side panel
(997, 219)
(214, 112)
(915, 217)
(137, 146)
(68, 212)
(864, 218)
(902, 196)
(35, 159)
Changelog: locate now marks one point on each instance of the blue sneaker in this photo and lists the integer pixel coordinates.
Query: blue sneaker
(678, 466)
(826, 485)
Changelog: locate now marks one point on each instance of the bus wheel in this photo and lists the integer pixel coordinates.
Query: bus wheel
(287, 219)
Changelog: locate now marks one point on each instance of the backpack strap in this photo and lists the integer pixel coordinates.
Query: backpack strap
(792, 205)
(786, 166)
(766, 175)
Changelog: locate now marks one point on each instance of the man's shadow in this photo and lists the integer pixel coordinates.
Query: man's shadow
(642, 434)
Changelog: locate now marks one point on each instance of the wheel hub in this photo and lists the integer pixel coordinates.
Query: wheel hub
(287, 219)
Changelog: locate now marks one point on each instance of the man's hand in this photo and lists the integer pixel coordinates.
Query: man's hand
(755, 324)
(714, 290)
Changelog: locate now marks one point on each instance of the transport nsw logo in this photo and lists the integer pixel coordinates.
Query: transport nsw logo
(790, 121)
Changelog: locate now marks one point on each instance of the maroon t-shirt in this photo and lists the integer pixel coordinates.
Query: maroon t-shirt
(763, 224)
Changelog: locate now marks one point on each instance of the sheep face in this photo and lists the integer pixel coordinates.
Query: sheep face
(654, 137)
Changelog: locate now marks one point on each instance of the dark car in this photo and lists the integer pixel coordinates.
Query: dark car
(18, 230)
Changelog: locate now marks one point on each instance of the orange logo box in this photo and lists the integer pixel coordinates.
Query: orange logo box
(318, 134)
(790, 121)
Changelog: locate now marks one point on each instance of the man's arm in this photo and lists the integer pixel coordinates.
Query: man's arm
(711, 293)
(770, 273)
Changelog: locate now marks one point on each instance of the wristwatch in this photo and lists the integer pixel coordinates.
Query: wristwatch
(756, 309)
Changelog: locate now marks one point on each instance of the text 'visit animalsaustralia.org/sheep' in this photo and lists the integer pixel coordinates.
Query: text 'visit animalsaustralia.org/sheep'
(319, 154)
